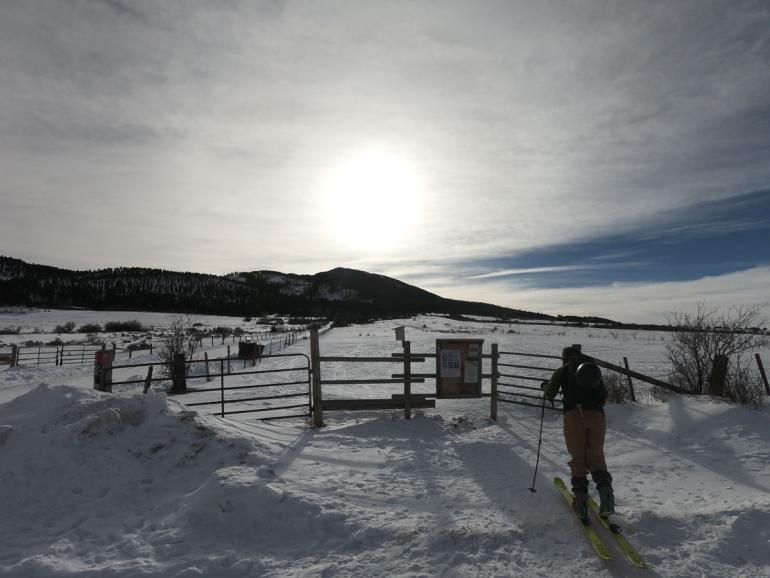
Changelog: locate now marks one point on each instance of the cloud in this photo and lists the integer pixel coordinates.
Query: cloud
(532, 125)
(532, 270)
(627, 302)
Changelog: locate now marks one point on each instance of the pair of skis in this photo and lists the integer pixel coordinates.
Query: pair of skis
(596, 541)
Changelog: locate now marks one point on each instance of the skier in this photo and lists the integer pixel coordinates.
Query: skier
(584, 394)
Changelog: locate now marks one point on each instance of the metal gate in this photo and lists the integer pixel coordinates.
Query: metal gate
(282, 382)
(509, 390)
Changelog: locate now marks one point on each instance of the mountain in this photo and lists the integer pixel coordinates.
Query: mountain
(346, 295)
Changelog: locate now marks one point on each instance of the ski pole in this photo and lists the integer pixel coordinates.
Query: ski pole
(539, 443)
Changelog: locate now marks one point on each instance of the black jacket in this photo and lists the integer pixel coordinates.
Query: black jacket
(574, 395)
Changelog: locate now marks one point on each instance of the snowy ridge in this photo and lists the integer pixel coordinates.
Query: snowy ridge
(237, 277)
(288, 285)
(294, 286)
(345, 294)
(334, 293)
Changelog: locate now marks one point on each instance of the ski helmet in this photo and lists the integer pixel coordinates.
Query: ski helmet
(588, 374)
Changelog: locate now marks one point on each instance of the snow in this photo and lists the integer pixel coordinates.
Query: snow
(42, 320)
(94, 484)
(333, 293)
(290, 286)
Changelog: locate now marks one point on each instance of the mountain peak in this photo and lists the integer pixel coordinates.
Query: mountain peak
(339, 293)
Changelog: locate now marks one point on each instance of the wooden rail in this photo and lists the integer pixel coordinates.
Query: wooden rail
(363, 404)
(406, 401)
(636, 375)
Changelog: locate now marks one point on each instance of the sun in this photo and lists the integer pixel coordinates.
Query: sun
(372, 200)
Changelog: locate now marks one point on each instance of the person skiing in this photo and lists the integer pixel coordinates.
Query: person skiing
(584, 395)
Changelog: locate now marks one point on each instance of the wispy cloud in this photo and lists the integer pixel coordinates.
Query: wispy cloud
(532, 270)
(628, 302)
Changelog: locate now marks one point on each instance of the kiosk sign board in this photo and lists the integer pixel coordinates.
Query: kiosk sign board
(458, 371)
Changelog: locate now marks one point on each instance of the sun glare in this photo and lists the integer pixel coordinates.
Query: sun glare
(372, 201)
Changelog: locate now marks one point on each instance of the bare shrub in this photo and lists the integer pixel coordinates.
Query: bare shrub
(118, 326)
(10, 330)
(90, 328)
(138, 346)
(181, 337)
(66, 328)
(699, 337)
(617, 388)
(744, 387)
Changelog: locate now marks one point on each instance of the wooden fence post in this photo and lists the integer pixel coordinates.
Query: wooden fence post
(114, 347)
(228, 359)
(178, 374)
(762, 372)
(315, 363)
(718, 375)
(407, 380)
(206, 357)
(150, 347)
(630, 383)
(222, 385)
(14, 355)
(493, 396)
(148, 380)
(103, 371)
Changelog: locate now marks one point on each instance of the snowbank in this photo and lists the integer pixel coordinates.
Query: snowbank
(94, 484)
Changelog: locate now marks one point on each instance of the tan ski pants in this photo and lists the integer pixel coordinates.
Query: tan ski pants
(584, 431)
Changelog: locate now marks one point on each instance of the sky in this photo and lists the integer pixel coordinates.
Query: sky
(606, 158)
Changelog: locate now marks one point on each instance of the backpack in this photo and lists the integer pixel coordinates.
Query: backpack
(585, 397)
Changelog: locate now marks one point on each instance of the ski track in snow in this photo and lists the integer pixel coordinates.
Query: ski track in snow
(93, 484)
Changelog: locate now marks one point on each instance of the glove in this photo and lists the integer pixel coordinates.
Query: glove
(544, 386)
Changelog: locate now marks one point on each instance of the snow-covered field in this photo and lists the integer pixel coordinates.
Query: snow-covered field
(93, 484)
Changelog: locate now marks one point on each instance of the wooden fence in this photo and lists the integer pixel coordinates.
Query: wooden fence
(515, 383)
(406, 401)
(82, 354)
(55, 354)
(266, 337)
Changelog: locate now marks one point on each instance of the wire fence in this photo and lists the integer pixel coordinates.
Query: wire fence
(67, 354)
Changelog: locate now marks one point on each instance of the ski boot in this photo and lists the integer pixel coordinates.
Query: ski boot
(606, 501)
(581, 507)
(580, 492)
